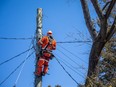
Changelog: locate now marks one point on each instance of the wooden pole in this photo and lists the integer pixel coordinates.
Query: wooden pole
(38, 80)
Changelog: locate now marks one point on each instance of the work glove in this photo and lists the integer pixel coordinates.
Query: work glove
(41, 52)
(52, 56)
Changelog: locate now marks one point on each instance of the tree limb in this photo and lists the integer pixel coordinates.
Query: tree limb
(93, 60)
(110, 8)
(97, 9)
(106, 5)
(88, 21)
(103, 29)
(99, 40)
(112, 30)
(103, 21)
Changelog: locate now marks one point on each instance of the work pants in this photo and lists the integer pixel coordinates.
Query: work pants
(43, 64)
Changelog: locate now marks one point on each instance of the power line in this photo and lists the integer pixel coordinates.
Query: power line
(80, 41)
(67, 72)
(19, 64)
(67, 63)
(72, 54)
(74, 62)
(5, 38)
(72, 68)
(15, 69)
(23, 64)
(74, 41)
(69, 58)
(15, 56)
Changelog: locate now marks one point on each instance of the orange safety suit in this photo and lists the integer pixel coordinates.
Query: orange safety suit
(47, 45)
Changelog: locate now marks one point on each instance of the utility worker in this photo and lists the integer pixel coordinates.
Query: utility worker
(47, 44)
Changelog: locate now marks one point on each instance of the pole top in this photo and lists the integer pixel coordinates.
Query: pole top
(39, 10)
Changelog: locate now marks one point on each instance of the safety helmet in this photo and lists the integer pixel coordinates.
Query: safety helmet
(49, 32)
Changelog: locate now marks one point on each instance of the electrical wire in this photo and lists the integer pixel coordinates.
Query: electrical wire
(72, 54)
(21, 69)
(5, 38)
(70, 58)
(71, 68)
(15, 69)
(74, 61)
(80, 41)
(67, 63)
(67, 72)
(74, 41)
(24, 63)
(15, 56)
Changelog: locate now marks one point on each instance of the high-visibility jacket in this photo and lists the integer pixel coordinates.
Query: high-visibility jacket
(47, 44)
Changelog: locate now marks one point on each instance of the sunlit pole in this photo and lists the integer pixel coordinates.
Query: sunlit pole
(38, 80)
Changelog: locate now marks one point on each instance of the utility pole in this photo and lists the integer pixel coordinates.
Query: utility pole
(38, 80)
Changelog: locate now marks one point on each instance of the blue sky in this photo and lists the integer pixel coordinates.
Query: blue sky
(64, 18)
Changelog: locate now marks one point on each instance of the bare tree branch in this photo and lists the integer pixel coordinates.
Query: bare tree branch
(103, 21)
(103, 29)
(88, 21)
(97, 9)
(106, 5)
(100, 39)
(112, 30)
(110, 8)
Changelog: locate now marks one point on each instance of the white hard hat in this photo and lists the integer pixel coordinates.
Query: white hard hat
(49, 32)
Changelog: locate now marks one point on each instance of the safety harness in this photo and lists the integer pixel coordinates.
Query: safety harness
(45, 49)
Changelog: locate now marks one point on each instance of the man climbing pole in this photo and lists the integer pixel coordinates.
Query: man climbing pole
(47, 44)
